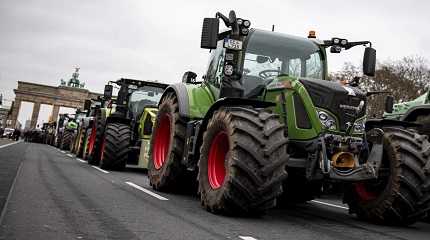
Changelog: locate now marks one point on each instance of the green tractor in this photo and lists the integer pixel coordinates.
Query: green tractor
(96, 106)
(48, 133)
(263, 109)
(66, 130)
(121, 132)
(83, 124)
(416, 111)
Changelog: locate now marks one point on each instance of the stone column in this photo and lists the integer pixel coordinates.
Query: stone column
(15, 111)
(35, 114)
(55, 111)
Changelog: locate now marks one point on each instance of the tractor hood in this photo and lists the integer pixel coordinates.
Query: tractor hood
(347, 103)
(400, 109)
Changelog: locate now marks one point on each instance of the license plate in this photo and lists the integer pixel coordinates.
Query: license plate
(233, 44)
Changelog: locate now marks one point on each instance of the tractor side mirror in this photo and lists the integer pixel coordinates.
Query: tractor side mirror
(87, 105)
(209, 37)
(108, 91)
(389, 103)
(189, 77)
(369, 61)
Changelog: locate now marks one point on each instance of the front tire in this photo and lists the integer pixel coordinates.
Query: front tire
(242, 161)
(115, 146)
(401, 194)
(95, 140)
(165, 171)
(66, 140)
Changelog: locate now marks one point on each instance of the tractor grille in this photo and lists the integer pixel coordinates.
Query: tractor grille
(335, 98)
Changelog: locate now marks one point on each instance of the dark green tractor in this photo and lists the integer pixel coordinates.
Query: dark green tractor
(66, 131)
(264, 109)
(117, 133)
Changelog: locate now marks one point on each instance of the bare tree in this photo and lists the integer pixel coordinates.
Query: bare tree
(406, 79)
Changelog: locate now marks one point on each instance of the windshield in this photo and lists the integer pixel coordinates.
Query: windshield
(283, 54)
(143, 97)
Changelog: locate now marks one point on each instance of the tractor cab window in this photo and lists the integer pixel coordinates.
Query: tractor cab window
(215, 65)
(270, 54)
(146, 96)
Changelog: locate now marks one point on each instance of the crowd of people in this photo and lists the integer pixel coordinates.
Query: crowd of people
(10, 133)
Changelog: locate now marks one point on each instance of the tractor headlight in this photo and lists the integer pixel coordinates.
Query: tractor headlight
(359, 126)
(327, 120)
(343, 42)
(245, 31)
(246, 23)
(336, 41)
(228, 70)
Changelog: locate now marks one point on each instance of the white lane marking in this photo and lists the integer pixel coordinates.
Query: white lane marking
(62, 151)
(329, 204)
(10, 144)
(147, 191)
(101, 170)
(80, 160)
(70, 155)
(247, 238)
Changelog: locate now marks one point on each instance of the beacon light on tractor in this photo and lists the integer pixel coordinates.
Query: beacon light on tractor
(121, 131)
(265, 109)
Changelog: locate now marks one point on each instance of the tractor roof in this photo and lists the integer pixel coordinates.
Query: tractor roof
(271, 41)
(142, 83)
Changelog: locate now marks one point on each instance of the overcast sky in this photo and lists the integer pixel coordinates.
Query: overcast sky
(42, 41)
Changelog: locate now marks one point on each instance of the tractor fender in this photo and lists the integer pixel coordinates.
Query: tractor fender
(414, 112)
(223, 102)
(117, 119)
(182, 94)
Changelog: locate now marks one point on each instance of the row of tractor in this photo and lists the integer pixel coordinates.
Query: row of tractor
(262, 128)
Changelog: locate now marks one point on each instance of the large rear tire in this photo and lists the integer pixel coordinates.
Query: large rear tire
(401, 194)
(66, 140)
(242, 161)
(115, 146)
(95, 140)
(81, 142)
(86, 140)
(425, 121)
(165, 171)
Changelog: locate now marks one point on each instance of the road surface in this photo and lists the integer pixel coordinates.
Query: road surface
(50, 194)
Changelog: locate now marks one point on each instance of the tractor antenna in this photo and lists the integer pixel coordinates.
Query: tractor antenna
(273, 27)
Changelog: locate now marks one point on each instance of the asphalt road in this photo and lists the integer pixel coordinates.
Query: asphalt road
(56, 196)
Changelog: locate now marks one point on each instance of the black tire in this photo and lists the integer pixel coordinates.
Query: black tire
(93, 156)
(401, 195)
(66, 140)
(58, 140)
(85, 147)
(425, 121)
(76, 140)
(242, 161)
(80, 148)
(167, 173)
(115, 146)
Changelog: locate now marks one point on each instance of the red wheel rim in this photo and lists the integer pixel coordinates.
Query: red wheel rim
(216, 159)
(102, 153)
(92, 139)
(162, 141)
(364, 194)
